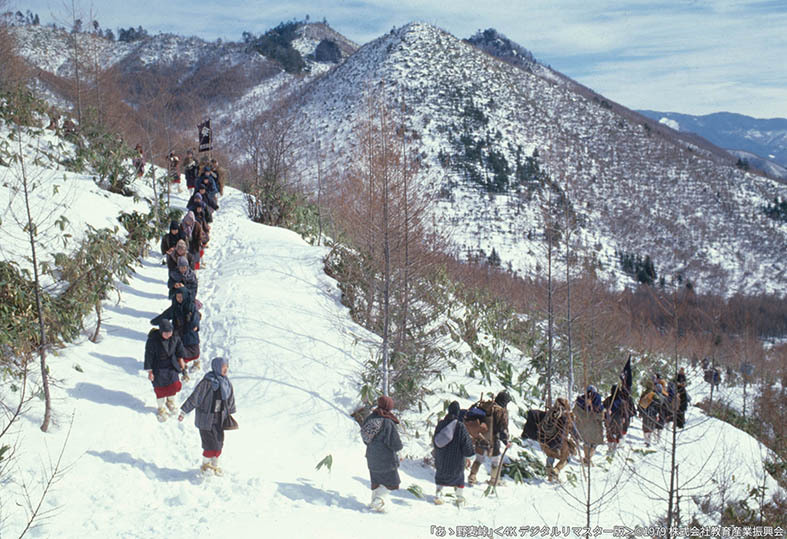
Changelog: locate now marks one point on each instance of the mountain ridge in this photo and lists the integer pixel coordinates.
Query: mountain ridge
(609, 160)
(480, 125)
(765, 137)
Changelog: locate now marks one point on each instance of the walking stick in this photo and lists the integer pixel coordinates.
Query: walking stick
(499, 467)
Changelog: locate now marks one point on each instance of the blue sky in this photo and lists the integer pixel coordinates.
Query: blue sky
(689, 56)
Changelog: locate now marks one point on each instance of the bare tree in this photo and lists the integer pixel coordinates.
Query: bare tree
(27, 185)
(384, 214)
(72, 10)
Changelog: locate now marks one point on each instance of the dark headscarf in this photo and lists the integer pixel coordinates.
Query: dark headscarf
(503, 398)
(454, 408)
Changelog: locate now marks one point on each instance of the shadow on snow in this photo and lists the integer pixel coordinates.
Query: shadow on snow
(129, 364)
(163, 474)
(316, 496)
(101, 395)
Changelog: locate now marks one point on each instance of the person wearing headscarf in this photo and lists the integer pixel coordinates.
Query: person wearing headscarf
(382, 441)
(452, 444)
(183, 276)
(171, 238)
(214, 400)
(185, 322)
(194, 236)
(164, 361)
(181, 249)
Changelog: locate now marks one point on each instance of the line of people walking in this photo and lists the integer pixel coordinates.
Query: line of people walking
(172, 350)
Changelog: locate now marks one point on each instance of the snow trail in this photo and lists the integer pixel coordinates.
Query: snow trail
(295, 356)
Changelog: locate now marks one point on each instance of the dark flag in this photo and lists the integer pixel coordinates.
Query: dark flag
(204, 136)
(626, 376)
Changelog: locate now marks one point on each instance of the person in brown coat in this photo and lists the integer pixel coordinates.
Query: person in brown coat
(489, 446)
(170, 240)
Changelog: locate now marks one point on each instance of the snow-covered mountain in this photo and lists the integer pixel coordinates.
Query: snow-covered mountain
(214, 72)
(634, 186)
(766, 138)
(481, 125)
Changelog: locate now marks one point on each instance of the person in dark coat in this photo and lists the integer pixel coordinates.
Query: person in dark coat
(382, 441)
(208, 179)
(170, 239)
(184, 276)
(201, 216)
(629, 408)
(197, 199)
(190, 169)
(214, 400)
(164, 362)
(185, 322)
(683, 395)
(614, 417)
(452, 444)
(205, 201)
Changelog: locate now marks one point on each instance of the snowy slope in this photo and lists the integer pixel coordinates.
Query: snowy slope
(294, 359)
(63, 203)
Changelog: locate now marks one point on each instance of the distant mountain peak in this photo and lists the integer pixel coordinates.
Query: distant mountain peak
(500, 46)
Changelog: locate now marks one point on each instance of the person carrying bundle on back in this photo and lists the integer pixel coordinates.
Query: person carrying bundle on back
(487, 443)
(649, 408)
(553, 430)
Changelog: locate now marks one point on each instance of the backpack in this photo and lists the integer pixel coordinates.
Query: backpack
(486, 426)
(646, 399)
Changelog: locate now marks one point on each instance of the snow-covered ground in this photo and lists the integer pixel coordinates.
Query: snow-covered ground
(295, 356)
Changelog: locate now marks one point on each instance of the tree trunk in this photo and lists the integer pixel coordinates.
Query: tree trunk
(550, 318)
(31, 229)
(94, 338)
(76, 65)
(387, 264)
